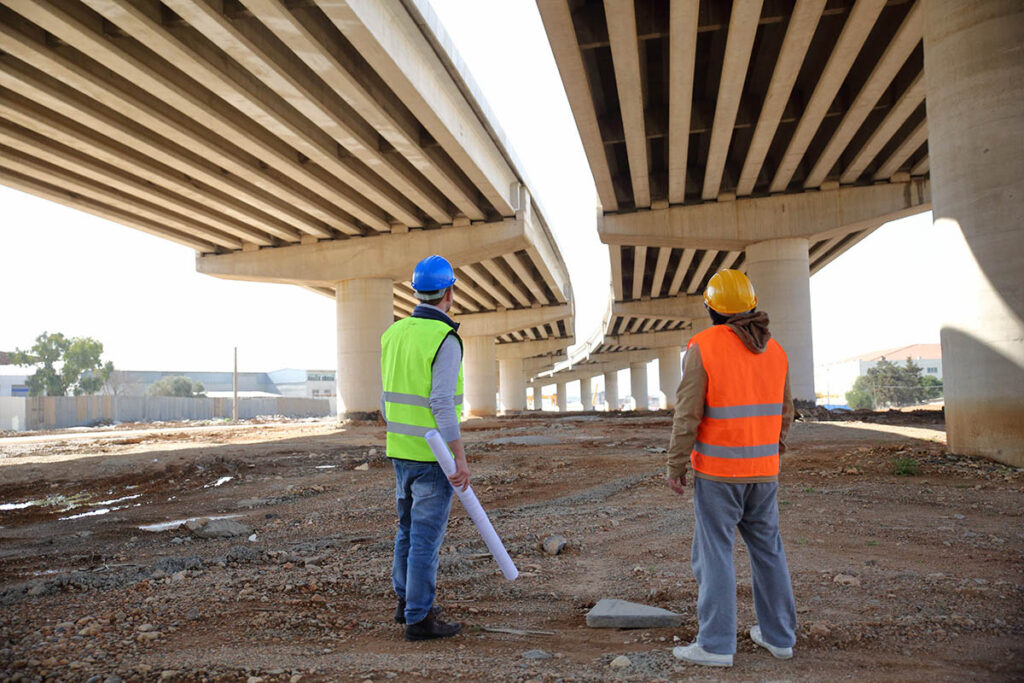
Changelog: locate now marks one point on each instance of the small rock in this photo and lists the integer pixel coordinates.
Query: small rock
(621, 662)
(553, 545)
(536, 654)
(820, 630)
(372, 452)
(222, 528)
(252, 538)
(168, 674)
(363, 468)
(178, 577)
(143, 628)
(846, 580)
(254, 679)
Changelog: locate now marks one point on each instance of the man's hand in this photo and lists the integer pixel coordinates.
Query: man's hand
(460, 480)
(677, 484)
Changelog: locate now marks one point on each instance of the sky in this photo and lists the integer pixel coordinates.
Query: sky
(63, 270)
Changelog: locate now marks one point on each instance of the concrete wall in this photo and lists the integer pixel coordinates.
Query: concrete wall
(55, 412)
(12, 413)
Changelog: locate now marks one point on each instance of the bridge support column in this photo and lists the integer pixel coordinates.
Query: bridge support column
(537, 403)
(638, 385)
(780, 271)
(512, 382)
(480, 378)
(975, 82)
(586, 393)
(611, 390)
(563, 398)
(365, 308)
(670, 371)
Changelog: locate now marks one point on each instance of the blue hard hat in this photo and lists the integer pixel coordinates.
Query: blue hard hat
(433, 274)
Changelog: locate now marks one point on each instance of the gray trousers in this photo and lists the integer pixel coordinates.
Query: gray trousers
(719, 509)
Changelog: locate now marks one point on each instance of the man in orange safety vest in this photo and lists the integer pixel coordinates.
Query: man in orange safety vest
(733, 410)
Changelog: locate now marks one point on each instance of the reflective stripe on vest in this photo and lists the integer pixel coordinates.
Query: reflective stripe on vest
(738, 436)
(408, 349)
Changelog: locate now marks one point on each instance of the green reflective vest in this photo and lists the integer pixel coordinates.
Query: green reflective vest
(408, 349)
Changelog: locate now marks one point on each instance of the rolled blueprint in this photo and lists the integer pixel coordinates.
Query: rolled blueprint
(473, 508)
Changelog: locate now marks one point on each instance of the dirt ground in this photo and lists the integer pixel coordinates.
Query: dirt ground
(913, 577)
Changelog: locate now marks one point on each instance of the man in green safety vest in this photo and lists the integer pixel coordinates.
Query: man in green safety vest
(421, 369)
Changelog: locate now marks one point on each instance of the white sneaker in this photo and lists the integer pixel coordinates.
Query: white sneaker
(695, 654)
(777, 652)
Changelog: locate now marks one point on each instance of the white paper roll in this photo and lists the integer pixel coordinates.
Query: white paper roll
(473, 507)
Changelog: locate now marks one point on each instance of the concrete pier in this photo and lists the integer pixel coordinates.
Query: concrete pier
(563, 400)
(638, 385)
(781, 275)
(512, 381)
(586, 393)
(481, 377)
(670, 371)
(974, 75)
(365, 309)
(611, 390)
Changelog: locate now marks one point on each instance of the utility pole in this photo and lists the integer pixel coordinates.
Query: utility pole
(234, 390)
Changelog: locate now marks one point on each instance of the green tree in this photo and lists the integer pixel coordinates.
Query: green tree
(932, 387)
(860, 397)
(64, 364)
(176, 386)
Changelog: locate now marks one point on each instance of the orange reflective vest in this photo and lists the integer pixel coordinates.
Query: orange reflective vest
(738, 436)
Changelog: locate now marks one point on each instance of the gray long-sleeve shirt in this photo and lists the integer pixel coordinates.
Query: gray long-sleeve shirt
(443, 382)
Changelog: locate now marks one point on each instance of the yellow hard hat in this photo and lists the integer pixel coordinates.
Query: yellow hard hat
(730, 292)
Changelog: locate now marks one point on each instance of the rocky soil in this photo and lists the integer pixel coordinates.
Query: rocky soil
(897, 577)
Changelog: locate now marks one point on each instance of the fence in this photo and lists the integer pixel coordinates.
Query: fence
(56, 412)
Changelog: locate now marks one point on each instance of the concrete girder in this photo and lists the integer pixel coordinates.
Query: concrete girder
(62, 196)
(133, 62)
(680, 308)
(911, 144)
(320, 50)
(71, 160)
(388, 38)
(736, 224)
(101, 194)
(387, 255)
(301, 211)
(907, 37)
(910, 100)
(683, 15)
(621, 18)
(656, 340)
(360, 191)
(249, 44)
(495, 323)
(798, 37)
(855, 31)
(531, 349)
(739, 44)
(559, 27)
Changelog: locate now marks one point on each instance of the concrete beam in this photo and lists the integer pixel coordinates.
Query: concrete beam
(895, 56)
(683, 16)
(913, 143)
(388, 38)
(799, 32)
(734, 225)
(681, 308)
(621, 21)
(531, 349)
(562, 37)
(855, 31)
(738, 46)
(656, 340)
(495, 323)
(910, 100)
(387, 255)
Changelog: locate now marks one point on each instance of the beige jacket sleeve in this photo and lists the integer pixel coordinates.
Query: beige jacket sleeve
(689, 411)
(788, 412)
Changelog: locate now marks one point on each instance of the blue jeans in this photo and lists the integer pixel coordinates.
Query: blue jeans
(424, 498)
(719, 508)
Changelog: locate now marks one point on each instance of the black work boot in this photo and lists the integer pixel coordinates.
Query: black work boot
(431, 627)
(400, 611)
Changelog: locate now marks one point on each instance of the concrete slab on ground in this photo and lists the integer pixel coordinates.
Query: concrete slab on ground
(614, 613)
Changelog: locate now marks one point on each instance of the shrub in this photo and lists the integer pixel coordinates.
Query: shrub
(905, 466)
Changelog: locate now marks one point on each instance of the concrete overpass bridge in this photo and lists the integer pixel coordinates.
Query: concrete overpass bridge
(771, 136)
(325, 144)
